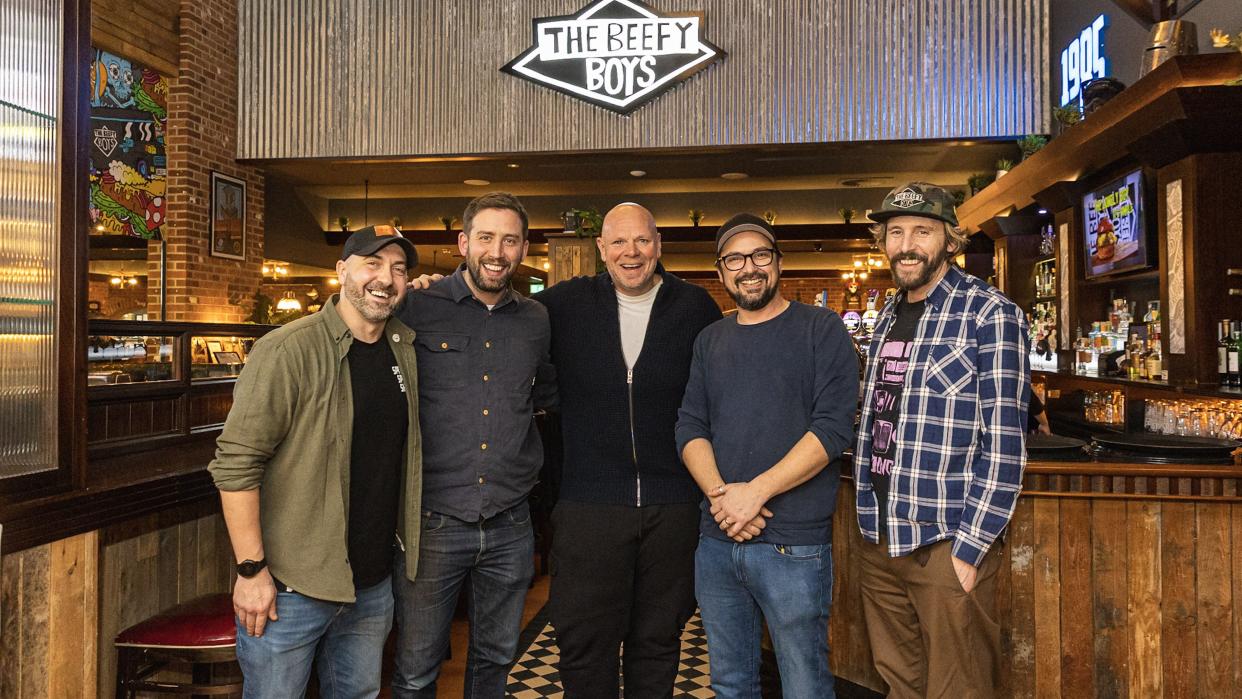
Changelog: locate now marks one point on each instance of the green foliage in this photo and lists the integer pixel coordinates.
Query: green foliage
(847, 214)
(1031, 143)
(1004, 164)
(1068, 115)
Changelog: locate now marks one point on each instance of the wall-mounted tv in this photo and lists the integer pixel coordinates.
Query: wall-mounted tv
(1115, 221)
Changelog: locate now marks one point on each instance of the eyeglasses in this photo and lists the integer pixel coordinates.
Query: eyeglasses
(736, 260)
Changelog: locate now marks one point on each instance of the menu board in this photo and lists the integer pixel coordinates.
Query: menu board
(1115, 229)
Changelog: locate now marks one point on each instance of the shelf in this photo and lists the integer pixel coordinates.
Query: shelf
(1160, 386)
(1040, 299)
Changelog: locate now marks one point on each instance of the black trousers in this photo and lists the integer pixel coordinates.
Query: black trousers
(621, 575)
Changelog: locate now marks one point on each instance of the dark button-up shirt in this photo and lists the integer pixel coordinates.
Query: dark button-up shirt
(481, 373)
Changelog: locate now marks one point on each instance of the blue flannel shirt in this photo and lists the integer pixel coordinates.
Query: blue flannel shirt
(961, 436)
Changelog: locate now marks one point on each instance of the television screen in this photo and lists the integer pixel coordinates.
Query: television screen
(1116, 230)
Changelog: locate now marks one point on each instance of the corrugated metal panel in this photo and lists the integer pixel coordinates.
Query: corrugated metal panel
(339, 78)
(30, 82)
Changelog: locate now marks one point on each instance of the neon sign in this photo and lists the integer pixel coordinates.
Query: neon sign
(1083, 60)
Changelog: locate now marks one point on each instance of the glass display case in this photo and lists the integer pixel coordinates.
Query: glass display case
(218, 356)
(123, 359)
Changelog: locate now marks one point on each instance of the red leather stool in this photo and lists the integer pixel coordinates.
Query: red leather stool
(200, 632)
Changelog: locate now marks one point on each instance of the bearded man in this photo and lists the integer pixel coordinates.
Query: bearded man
(319, 474)
(940, 454)
(483, 367)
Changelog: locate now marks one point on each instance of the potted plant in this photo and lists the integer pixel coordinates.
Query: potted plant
(1065, 117)
(395, 222)
(959, 196)
(846, 213)
(770, 217)
(447, 222)
(1003, 166)
(978, 181)
(590, 222)
(338, 237)
(1030, 144)
(1221, 40)
(695, 217)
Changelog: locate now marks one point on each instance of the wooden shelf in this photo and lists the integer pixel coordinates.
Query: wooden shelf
(1178, 108)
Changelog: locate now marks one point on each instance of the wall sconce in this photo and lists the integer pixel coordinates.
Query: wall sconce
(312, 294)
(275, 270)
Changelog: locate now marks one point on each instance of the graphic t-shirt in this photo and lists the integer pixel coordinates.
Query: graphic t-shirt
(377, 456)
(890, 377)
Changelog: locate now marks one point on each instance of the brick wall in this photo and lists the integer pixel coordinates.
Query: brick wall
(202, 137)
(114, 301)
(805, 289)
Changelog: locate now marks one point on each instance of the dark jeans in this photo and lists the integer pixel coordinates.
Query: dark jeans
(621, 574)
(497, 557)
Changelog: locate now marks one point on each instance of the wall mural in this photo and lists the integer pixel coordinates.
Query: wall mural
(128, 170)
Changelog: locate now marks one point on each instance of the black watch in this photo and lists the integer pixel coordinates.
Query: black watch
(249, 568)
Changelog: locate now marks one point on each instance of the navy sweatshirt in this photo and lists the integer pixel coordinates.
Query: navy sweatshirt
(755, 390)
(606, 462)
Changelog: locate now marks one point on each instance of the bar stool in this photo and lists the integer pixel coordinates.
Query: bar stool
(200, 632)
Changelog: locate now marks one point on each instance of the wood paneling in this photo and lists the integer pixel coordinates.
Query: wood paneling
(62, 603)
(1097, 597)
(141, 30)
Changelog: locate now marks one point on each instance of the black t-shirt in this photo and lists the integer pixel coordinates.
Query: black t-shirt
(376, 459)
(894, 360)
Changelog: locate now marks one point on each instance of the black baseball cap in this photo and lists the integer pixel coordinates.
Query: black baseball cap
(743, 223)
(369, 240)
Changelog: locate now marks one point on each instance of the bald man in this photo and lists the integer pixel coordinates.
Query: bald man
(626, 524)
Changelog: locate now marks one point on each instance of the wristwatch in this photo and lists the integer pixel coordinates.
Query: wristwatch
(249, 568)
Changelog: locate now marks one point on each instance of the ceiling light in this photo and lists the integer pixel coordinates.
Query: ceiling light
(1042, 212)
(547, 265)
(734, 175)
(638, 173)
(513, 166)
(288, 303)
(334, 282)
(476, 183)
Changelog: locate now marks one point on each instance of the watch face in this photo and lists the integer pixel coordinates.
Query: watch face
(249, 568)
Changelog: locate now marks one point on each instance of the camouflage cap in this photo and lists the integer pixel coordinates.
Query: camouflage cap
(917, 199)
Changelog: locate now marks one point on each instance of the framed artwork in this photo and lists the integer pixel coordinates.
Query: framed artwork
(227, 358)
(214, 346)
(228, 217)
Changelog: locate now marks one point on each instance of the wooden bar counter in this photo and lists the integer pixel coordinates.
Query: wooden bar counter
(1119, 580)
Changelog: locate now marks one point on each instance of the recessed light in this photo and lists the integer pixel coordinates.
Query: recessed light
(638, 173)
(734, 175)
(547, 265)
(477, 183)
(513, 166)
(1043, 212)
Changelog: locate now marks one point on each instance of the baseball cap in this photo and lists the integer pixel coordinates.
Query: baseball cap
(743, 223)
(917, 199)
(369, 240)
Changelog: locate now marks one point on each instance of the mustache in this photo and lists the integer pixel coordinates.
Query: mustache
(747, 277)
(907, 256)
(389, 289)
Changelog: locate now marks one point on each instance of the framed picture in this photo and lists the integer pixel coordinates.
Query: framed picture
(228, 217)
(227, 358)
(215, 347)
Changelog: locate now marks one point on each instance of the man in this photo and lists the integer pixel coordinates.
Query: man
(318, 468)
(622, 556)
(481, 346)
(940, 455)
(768, 411)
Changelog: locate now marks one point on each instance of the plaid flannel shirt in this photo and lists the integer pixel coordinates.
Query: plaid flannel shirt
(961, 436)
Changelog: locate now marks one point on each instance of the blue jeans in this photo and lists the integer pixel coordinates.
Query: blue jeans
(792, 587)
(496, 556)
(346, 640)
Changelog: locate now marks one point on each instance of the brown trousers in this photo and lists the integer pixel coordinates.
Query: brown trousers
(928, 637)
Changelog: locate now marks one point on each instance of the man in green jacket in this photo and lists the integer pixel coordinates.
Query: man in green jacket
(319, 469)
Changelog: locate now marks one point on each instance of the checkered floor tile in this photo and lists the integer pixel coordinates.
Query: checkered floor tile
(534, 675)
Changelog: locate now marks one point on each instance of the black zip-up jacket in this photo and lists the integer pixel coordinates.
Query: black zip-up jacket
(607, 461)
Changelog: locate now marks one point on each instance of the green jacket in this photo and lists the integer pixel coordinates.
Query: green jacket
(289, 435)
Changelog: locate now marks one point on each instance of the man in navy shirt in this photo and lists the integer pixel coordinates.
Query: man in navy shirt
(766, 415)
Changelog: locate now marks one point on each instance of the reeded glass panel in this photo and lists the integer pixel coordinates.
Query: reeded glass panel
(31, 34)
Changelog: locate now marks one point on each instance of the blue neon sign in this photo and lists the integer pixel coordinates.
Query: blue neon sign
(1083, 60)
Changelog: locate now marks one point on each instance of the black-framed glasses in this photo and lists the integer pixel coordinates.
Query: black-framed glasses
(736, 260)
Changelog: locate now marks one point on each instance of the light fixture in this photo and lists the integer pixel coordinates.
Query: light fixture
(547, 265)
(476, 183)
(123, 279)
(1042, 212)
(513, 166)
(288, 303)
(858, 262)
(99, 228)
(312, 294)
(734, 175)
(638, 173)
(275, 269)
(334, 282)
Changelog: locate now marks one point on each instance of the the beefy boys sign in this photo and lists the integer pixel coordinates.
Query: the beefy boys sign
(618, 54)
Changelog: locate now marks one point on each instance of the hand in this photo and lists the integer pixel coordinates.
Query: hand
(1043, 429)
(737, 506)
(754, 527)
(423, 281)
(254, 602)
(965, 573)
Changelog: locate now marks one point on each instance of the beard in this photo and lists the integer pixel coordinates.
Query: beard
(931, 267)
(474, 265)
(365, 304)
(752, 300)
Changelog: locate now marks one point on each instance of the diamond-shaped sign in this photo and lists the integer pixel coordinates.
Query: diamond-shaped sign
(617, 54)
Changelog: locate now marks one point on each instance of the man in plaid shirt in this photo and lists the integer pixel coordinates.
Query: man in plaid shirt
(941, 449)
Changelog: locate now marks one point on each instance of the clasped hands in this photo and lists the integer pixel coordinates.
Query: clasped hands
(738, 509)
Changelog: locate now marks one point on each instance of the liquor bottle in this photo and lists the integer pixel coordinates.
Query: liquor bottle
(1223, 335)
(1235, 347)
(1134, 351)
(1154, 369)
